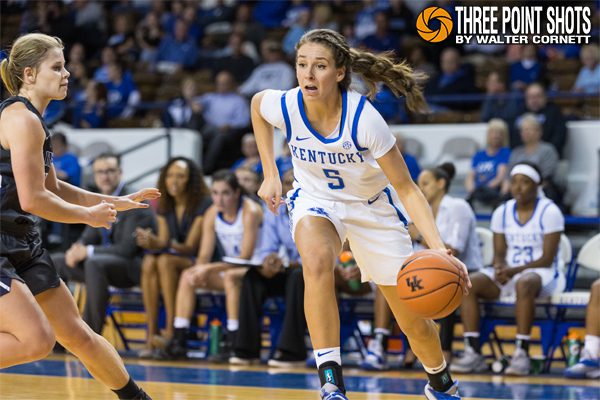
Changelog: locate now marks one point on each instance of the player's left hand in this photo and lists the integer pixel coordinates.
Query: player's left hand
(463, 269)
(134, 200)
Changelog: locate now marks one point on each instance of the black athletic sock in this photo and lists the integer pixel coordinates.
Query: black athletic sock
(473, 342)
(440, 381)
(129, 391)
(180, 336)
(331, 372)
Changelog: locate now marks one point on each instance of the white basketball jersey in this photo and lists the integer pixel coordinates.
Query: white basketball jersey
(525, 242)
(342, 165)
(230, 234)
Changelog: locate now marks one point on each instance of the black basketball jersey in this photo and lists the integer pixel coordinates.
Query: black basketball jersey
(12, 216)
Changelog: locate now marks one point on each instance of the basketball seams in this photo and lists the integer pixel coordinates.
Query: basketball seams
(428, 293)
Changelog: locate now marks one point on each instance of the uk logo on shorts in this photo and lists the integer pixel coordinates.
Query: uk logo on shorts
(319, 211)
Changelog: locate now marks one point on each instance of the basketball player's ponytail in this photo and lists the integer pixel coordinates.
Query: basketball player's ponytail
(373, 68)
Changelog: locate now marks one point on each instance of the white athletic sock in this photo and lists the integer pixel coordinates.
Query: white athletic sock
(592, 345)
(328, 354)
(383, 331)
(232, 325)
(181, 323)
(435, 370)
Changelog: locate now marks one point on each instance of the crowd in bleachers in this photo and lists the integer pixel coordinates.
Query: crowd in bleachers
(181, 64)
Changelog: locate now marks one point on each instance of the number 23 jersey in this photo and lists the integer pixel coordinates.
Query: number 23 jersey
(525, 242)
(341, 165)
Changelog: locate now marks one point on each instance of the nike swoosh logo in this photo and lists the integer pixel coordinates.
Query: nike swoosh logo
(319, 354)
(303, 138)
(372, 201)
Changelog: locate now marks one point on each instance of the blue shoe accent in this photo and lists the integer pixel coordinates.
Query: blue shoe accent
(337, 395)
(450, 394)
(583, 369)
(373, 362)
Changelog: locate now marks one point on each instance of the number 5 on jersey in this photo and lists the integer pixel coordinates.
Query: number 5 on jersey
(334, 174)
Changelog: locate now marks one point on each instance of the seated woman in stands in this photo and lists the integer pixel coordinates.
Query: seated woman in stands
(527, 263)
(488, 168)
(172, 249)
(234, 220)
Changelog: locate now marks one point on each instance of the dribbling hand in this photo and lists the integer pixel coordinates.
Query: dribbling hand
(270, 193)
(464, 273)
(102, 215)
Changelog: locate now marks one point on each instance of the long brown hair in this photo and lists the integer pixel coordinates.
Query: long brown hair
(374, 68)
(196, 189)
(27, 51)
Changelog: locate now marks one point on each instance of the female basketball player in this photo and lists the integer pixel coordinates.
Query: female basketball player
(34, 74)
(350, 176)
(235, 221)
(527, 264)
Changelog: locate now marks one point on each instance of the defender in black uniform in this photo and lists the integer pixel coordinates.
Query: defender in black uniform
(34, 74)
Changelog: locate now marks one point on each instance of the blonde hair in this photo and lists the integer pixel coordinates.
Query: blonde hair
(499, 125)
(373, 68)
(27, 51)
(530, 118)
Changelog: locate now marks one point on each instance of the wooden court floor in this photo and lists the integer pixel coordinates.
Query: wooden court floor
(64, 378)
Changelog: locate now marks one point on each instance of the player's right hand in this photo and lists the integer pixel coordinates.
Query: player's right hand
(102, 215)
(270, 193)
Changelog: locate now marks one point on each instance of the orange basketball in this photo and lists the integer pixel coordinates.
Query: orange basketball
(430, 284)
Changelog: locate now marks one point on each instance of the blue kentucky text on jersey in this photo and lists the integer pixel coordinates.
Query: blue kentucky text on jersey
(326, 157)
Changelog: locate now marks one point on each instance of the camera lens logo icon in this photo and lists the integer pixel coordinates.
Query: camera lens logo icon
(430, 15)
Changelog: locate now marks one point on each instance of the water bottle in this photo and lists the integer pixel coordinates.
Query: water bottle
(216, 331)
(347, 260)
(574, 345)
(500, 364)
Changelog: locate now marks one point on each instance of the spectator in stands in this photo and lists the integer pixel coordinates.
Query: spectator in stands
(122, 94)
(488, 168)
(588, 79)
(234, 220)
(280, 274)
(274, 72)
(527, 263)
(401, 18)
(365, 19)
(185, 111)
(190, 16)
(527, 70)
(250, 152)
(77, 53)
(536, 151)
(148, 35)
(122, 39)
(322, 17)
(171, 250)
(418, 60)
(65, 163)
(455, 78)
(104, 257)
(411, 161)
(249, 180)
(107, 57)
(497, 102)
(297, 28)
(226, 115)
(269, 13)
(177, 51)
(554, 127)
(234, 60)
(382, 39)
(91, 112)
(456, 223)
(78, 81)
(589, 358)
(248, 25)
